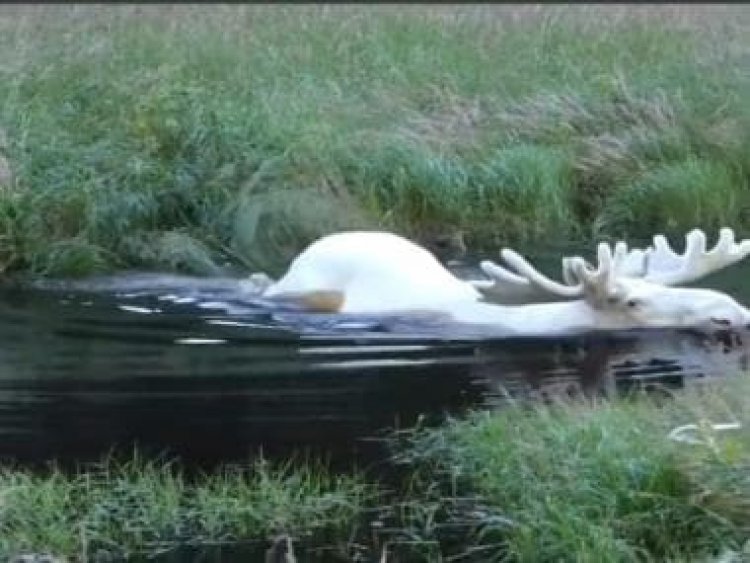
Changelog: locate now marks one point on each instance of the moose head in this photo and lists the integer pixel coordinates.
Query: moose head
(374, 272)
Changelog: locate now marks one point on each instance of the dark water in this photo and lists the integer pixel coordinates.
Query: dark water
(188, 367)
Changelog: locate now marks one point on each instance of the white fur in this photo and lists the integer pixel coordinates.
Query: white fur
(377, 272)
(383, 273)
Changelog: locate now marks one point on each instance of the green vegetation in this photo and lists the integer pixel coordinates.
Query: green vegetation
(178, 137)
(143, 508)
(585, 480)
(598, 482)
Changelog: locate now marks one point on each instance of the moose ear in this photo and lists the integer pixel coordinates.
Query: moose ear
(612, 297)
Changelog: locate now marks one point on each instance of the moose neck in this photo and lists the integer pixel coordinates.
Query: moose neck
(549, 319)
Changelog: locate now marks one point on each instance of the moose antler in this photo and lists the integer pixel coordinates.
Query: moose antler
(597, 284)
(663, 265)
(581, 279)
(658, 264)
(526, 284)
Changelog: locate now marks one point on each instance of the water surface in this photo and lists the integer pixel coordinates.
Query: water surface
(193, 368)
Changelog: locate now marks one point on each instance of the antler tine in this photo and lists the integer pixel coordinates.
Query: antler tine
(628, 263)
(527, 281)
(661, 245)
(500, 274)
(605, 267)
(624, 263)
(621, 252)
(658, 263)
(725, 242)
(695, 246)
(667, 267)
(597, 282)
(536, 278)
(523, 285)
(568, 273)
(600, 275)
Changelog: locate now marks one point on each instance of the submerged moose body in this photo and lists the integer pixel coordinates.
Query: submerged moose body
(383, 273)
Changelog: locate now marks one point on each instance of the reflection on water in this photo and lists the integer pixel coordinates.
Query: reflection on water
(190, 367)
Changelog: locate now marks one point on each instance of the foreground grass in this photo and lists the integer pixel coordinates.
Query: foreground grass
(141, 508)
(584, 481)
(182, 137)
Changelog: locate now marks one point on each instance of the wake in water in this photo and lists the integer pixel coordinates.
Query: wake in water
(237, 302)
(233, 302)
(206, 369)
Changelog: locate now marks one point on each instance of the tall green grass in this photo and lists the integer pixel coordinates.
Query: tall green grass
(141, 508)
(185, 138)
(578, 482)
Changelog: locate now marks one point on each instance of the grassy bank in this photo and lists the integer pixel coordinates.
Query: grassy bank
(188, 138)
(574, 481)
(586, 482)
(139, 509)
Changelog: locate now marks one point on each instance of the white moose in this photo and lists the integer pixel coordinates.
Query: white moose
(378, 272)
